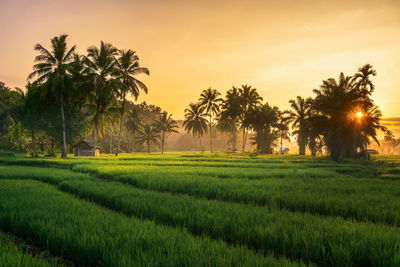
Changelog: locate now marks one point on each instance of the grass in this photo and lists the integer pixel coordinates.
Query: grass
(12, 255)
(89, 235)
(302, 209)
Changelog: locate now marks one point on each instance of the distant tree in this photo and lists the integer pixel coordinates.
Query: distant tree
(133, 124)
(250, 99)
(231, 110)
(349, 116)
(148, 136)
(52, 70)
(165, 124)
(283, 129)
(210, 100)
(195, 121)
(128, 67)
(264, 119)
(99, 66)
(298, 115)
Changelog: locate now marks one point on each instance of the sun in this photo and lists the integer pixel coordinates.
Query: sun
(359, 114)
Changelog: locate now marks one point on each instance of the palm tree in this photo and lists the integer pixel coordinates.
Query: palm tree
(300, 111)
(283, 129)
(133, 124)
(338, 102)
(209, 99)
(52, 72)
(165, 124)
(231, 110)
(362, 78)
(148, 135)
(249, 100)
(100, 67)
(195, 121)
(127, 68)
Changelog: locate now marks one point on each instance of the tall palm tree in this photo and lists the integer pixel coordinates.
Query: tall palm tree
(148, 135)
(127, 68)
(300, 111)
(283, 129)
(338, 102)
(231, 110)
(133, 124)
(362, 78)
(210, 100)
(195, 121)
(52, 72)
(165, 124)
(250, 99)
(99, 66)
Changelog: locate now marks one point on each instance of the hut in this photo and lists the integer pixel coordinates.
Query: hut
(85, 148)
(284, 150)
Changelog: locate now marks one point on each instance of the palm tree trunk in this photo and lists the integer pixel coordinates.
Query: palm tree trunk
(211, 148)
(243, 139)
(234, 140)
(95, 140)
(111, 138)
(281, 152)
(130, 143)
(148, 146)
(162, 143)
(201, 146)
(64, 146)
(120, 124)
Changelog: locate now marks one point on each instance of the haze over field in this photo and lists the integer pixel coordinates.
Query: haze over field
(282, 49)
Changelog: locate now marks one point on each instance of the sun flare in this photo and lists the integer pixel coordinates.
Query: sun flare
(359, 114)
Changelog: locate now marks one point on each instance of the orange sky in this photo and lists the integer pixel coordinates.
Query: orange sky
(283, 49)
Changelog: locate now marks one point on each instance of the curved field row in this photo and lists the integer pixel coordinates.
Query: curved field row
(89, 235)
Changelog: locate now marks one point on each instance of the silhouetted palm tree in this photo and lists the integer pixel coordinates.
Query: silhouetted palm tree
(249, 100)
(282, 125)
(300, 111)
(195, 121)
(99, 67)
(165, 124)
(210, 100)
(148, 136)
(231, 110)
(133, 124)
(362, 79)
(127, 67)
(338, 102)
(51, 70)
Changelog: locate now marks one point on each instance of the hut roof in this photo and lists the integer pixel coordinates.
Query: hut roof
(84, 144)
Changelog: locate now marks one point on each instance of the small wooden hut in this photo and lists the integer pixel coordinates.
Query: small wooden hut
(85, 148)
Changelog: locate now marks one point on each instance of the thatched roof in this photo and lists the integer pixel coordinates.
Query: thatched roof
(84, 144)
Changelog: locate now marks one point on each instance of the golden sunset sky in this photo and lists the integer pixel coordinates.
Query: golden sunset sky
(282, 48)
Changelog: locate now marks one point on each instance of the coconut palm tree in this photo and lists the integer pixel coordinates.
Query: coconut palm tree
(148, 136)
(165, 124)
(99, 66)
(283, 129)
(128, 67)
(349, 116)
(210, 100)
(134, 123)
(52, 71)
(249, 100)
(195, 121)
(300, 111)
(362, 78)
(231, 110)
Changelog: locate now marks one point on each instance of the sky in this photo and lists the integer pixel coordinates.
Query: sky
(283, 48)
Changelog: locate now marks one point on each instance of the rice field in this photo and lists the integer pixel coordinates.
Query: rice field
(200, 210)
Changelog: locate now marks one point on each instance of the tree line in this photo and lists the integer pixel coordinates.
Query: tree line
(70, 96)
(341, 118)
